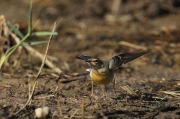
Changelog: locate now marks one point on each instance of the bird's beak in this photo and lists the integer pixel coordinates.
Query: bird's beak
(88, 61)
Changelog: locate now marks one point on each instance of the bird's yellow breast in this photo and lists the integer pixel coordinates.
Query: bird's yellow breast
(102, 77)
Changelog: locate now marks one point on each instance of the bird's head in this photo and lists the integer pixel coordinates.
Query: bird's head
(95, 63)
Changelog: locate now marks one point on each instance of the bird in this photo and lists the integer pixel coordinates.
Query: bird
(102, 72)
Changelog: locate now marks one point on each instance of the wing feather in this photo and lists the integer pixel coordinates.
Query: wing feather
(124, 58)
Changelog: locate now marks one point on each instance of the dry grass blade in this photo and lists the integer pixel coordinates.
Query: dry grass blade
(30, 97)
(4, 40)
(43, 62)
(103, 115)
(82, 109)
(173, 93)
(115, 7)
(73, 114)
(129, 90)
(132, 45)
(45, 57)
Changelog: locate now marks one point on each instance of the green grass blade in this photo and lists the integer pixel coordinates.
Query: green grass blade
(30, 19)
(35, 24)
(15, 29)
(44, 33)
(9, 53)
(33, 43)
(9, 50)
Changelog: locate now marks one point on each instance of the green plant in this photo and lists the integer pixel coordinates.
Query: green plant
(22, 42)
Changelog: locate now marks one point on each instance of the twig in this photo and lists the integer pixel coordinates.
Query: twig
(73, 114)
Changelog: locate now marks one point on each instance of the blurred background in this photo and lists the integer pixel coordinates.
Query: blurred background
(101, 28)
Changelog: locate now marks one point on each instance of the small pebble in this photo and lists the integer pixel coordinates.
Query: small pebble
(42, 112)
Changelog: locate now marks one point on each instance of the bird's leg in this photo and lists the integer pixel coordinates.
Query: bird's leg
(105, 91)
(114, 84)
(92, 88)
(106, 94)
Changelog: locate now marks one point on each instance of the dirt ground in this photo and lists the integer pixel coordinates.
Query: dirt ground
(147, 87)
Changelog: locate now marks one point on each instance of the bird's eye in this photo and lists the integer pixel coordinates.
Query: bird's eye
(96, 61)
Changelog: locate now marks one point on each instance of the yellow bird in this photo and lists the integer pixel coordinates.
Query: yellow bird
(102, 72)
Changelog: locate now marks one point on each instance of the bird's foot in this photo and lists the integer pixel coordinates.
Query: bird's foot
(94, 96)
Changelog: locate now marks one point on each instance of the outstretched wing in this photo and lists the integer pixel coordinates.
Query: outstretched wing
(123, 58)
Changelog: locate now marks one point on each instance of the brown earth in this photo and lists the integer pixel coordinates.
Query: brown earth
(102, 29)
